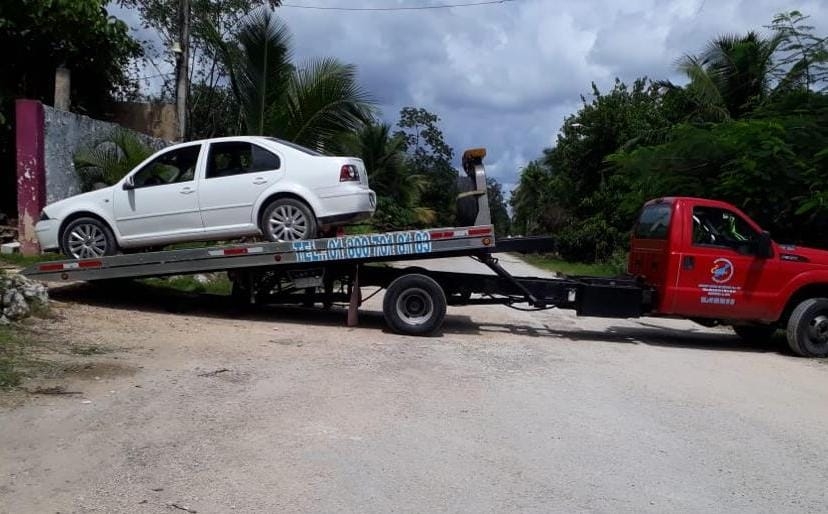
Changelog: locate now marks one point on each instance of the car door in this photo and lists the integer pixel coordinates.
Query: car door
(159, 201)
(236, 174)
(720, 276)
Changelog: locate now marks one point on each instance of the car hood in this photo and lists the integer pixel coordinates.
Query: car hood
(804, 254)
(59, 209)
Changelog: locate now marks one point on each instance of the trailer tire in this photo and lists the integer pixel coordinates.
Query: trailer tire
(414, 305)
(808, 328)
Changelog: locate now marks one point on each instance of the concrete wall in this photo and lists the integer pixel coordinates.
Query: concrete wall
(156, 119)
(64, 134)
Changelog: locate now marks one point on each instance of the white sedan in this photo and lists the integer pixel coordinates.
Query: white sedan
(210, 190)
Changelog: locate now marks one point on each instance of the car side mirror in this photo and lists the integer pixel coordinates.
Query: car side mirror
(764, 245)
(129, 183)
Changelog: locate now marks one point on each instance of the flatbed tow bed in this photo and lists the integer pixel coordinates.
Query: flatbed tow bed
(334, 269)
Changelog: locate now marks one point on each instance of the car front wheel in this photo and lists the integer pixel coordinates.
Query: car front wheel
(86, 238)
(288, 219)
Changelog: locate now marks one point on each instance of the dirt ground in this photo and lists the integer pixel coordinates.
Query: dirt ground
(198, 406)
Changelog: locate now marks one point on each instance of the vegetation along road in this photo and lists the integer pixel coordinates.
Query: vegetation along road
(188, 404)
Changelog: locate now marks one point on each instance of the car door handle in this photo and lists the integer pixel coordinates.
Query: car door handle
(259, 181)
(187, 191)
(688, 262)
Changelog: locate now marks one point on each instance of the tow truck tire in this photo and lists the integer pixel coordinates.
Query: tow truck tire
(414, 305)
(808, 328)
(755, 333)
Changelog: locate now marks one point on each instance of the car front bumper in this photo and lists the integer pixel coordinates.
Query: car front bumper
(48, 234)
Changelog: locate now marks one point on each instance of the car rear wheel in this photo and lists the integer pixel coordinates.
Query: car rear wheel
(86, 238)
(288, 219)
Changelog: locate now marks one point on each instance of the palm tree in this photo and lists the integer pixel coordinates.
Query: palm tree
(388, 172)
(731, 77)
(108, 160)
(310, 104)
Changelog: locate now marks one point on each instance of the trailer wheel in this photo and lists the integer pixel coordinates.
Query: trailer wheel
(414, 305)
(808, 328)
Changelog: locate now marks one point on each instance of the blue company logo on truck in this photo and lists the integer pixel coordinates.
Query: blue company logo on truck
(364, 246)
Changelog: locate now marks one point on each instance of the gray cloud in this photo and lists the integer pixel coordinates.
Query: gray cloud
(505, 76)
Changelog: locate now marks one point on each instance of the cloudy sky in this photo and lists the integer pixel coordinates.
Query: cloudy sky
(504, 76)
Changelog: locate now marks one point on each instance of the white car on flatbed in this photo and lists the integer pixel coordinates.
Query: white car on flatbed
(210, 190)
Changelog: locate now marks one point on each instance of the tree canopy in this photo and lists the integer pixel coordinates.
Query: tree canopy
(750, 126)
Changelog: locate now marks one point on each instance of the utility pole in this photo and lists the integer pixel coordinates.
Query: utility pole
(182, 67)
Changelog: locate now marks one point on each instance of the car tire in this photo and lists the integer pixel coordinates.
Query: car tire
(808, 328)
(87, 238)
(288, 219)
(414, 305)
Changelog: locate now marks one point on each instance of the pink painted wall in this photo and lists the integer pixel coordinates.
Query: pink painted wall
(31, 172)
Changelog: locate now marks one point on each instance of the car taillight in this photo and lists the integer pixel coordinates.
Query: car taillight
(348, 173)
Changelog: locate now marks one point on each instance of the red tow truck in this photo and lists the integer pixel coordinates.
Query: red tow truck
(689, 257)
(707, 261)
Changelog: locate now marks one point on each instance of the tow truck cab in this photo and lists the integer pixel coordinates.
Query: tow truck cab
(707, 260)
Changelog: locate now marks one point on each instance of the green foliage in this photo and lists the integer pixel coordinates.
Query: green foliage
(107, 161)
(398, 187)
(211, 21)
(311, 104)
(214, 112)
(497, 207)
(803, 60)
(429, 155)
(615, 267)
(750, 127)
(37, 36)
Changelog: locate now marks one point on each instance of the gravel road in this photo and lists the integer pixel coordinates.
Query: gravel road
(203, 408)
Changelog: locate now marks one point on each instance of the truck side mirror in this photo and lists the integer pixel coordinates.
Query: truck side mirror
(129, 183)
(764, 245)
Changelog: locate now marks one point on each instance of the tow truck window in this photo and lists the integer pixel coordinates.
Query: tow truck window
(653, 222)
(720, 227)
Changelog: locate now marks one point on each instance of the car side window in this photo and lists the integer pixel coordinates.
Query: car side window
(169, 168)
(721, 227)
(238, 157)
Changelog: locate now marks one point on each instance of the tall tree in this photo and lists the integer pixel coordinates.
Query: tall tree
(429, 155)
(732, 76)
(498, 207)
(36, 37)
(803, 59)
(310, 104)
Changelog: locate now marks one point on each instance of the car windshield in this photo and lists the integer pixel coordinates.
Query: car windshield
(296, 147)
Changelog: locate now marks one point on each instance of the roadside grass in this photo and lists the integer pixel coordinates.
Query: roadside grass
(19, 260)
(12, 357)
(612, 268)
(22, 352)
(217, 283)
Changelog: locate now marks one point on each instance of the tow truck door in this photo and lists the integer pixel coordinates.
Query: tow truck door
(720, 275)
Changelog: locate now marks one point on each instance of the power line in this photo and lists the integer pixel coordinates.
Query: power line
(412, 8)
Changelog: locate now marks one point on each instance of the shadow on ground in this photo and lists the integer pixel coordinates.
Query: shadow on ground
(135, 296)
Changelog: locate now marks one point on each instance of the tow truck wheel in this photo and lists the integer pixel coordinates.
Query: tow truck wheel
(414, 305)
(754, 333)
(808, 328)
